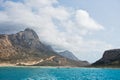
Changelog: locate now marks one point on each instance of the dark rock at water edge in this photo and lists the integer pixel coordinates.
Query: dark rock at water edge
(110, 58)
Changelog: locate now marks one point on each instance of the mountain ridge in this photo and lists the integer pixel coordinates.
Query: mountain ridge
(69, 55)
(25, 48)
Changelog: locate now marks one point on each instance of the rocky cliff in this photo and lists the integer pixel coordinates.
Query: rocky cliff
(25, 48)
(110, 58)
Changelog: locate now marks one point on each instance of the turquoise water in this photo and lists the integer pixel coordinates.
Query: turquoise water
(24, 73)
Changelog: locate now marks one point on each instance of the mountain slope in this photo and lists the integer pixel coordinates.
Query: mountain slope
(111, 58)
(69, 55)
(25, 48)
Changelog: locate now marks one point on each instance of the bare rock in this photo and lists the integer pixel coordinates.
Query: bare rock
(25, 48)
(110, 58)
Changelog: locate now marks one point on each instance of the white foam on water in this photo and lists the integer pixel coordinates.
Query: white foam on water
(41, 78)
(29, 79)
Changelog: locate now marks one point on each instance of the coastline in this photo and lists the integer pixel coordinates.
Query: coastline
(58, 67)
(6, 65)
(30, 66)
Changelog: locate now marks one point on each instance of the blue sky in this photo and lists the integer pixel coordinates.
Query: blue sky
(85, 27)
(106, 12)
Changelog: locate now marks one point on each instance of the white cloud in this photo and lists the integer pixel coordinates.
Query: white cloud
(84, 20)
(56, 25)
(3, 17)
(39, 3)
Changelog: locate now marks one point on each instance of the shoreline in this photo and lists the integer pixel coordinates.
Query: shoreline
(68, 67)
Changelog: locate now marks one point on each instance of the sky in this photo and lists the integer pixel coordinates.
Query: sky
(85, 27)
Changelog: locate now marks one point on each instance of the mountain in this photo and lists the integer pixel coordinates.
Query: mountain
(111, 58)
(25, 48)
(68, 55)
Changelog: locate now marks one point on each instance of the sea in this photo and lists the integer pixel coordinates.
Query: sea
(38, 73)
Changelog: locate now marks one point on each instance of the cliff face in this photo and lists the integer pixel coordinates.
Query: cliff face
(110, 58)
(27, 39)
(6, 48)
(25, 48)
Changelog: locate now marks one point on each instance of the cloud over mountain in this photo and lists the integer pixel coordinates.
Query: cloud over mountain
(57, 25)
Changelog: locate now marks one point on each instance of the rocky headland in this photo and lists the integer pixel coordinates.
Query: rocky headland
(111, 58)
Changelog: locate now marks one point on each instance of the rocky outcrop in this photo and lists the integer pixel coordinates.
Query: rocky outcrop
(6, 48)
(68, 55)
(110, 58)
(27, 39)
(25, 48)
